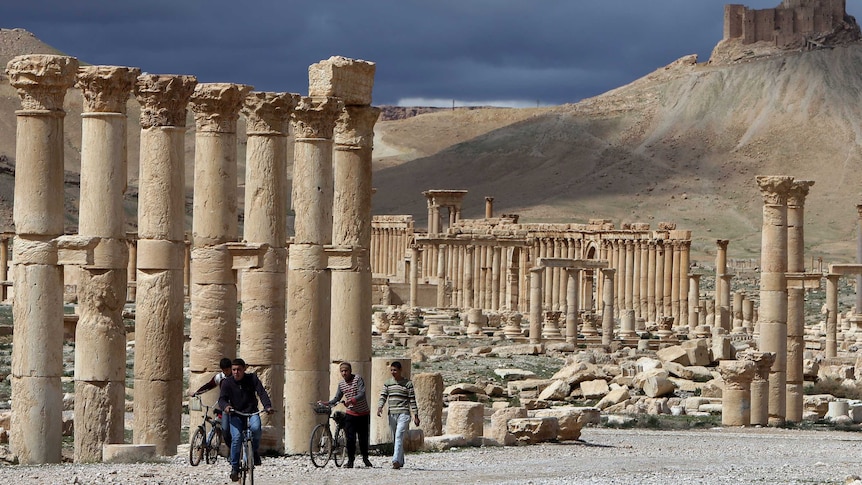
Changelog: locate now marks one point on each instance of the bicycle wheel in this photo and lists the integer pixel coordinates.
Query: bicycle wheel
(196, 447)
(248, 467)
(339, 448)
(320, 446)
(214, 445)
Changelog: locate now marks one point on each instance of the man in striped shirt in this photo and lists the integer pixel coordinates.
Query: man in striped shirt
(402, 402)
(351, 391)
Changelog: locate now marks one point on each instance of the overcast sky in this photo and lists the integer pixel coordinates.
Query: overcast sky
(512, 52)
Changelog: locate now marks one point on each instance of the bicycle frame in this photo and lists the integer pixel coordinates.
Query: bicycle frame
(204, 443)
(246, 457)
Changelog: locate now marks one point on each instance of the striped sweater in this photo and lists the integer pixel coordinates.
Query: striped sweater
(402, 399)
(353, 394)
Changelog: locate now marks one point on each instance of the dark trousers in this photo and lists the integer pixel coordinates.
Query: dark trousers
(357, 425)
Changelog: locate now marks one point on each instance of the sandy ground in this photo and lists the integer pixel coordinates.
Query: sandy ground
(603, 456)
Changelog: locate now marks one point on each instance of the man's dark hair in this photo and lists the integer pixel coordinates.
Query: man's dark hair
(224, 363)
(239, 362)
(345, 364)
(395, 364)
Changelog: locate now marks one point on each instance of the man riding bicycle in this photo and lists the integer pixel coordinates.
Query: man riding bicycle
(240, 392)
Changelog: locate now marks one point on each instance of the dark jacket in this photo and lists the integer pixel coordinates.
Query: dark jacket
(243, 395)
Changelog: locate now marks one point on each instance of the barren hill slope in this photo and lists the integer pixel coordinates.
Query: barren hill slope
(682, 144)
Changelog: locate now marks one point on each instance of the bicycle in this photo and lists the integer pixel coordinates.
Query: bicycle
(246, 457)
(322, 446)
(205, 445)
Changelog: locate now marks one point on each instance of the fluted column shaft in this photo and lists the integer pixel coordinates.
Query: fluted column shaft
(100, 335)
(37, 305)
(159, 318)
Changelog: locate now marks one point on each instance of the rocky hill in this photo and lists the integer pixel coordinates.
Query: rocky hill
(681, 144)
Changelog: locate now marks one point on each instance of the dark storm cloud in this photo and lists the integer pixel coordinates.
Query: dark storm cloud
(552, 51)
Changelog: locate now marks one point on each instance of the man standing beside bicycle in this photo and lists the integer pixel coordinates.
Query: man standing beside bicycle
(351, 391)
(240, 392)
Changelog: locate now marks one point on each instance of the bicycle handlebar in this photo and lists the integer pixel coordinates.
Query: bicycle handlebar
(247, 415)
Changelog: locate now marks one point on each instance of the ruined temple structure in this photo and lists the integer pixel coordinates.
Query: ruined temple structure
(791, 25)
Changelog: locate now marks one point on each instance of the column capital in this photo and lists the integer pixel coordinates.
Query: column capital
(315, 117)
(737, 374)
(762, 362)
(354, 128)
(606, 272)
(216, 106)
(268, 113)
(489, 199)
(774, 188)
(163, 99)
(798, 191)
(722, 244)
(106, 88)
(42, 80)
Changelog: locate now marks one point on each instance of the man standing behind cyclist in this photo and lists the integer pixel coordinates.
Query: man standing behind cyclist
(240, 392)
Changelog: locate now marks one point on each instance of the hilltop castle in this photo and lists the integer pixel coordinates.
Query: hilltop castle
(792, 24)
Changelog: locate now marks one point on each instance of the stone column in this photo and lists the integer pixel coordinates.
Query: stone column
(414, 275)
(644, 279)
(720, 270)
(572, 304)
(676, 275)
(608, 306)
(159, 319)
(132, 268)
(469, 300)
(693, 299)
(628, 274)
(651, 269)
(264, 287)
(536, 275)
(684, 263)
(668, 279)
(736, 397)
(489, 207)
(213, 327)
(659, 279)
(308, 306)
(627, 324)
(636, 278)
(441, 276)
(722, 314)
(773, 289)
(831, 315)
(760, 386)
(748, 315)
(100, 336)
(858, 258)
(796, 298)
(428, 388)
(4, 267)
(37, 304)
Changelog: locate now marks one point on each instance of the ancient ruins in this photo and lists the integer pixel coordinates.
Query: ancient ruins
(637, 327)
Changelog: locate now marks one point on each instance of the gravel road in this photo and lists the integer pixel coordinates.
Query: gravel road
(603, 456)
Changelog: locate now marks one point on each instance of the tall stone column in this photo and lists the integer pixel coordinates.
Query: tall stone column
(636, 278)
(496, 258)
(264, 287)
(674, 282)
(441, 276)
(628, 273)
(736, 397)
(684, 263)
(651, 261)
(308, 307)
(213, 288)
(760, 386)
(100, 336)
(668, 279)
(572, 304)
(831, 315)
(159, 319)
(469, 300)
(4, 266)
(796, 298)
(773, 289)
(720, 270)
(536, 275)
(489, 207)
(858, 259)
(414, 275)
(736, 312)
(132, 268)
(644, 278)
(693, 300)
(618, 263)
(659, 279)
(37, 304)
(608, 306)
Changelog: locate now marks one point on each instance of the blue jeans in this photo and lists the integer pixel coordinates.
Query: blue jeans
(399, 424)
(236, 428)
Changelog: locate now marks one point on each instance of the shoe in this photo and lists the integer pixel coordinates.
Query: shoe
(257, 459)
(367, 463)
(234, 475)
(396, 465)
(349, 464)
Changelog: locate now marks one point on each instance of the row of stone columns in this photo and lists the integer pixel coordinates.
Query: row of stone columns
(389, 245)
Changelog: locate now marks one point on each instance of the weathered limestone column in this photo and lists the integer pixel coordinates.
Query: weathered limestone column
(4, 266)
(796, 298)
(736, 397)
(628, 275)
(676, 275)
(496, 257)
(213, 289)
(684, 262)
(489, 207)
(831, 315)
(736, 312)
(100, 336)
(760, 386)
(414, 275)
(572, 304)
(659, 279)
(618, 263)
(159, 319)
(469, 300)
(429, 399)
(644, 279)
(722, 315)
(636, 278)
(627, 324)
(264, 287)
(441, 276)
(748, 315)
(720, 270)
(536, 276)
(37, 304)
(608, 306)
(858, 258)
(668, 278)
(693, 299)
(132, 268)
(308, 307)
(773, 289)
(651, 269)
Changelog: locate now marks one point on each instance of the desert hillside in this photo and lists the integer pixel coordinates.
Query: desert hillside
(681, 144)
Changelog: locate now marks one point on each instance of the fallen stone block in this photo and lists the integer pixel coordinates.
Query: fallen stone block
(594, 389)
(557, 391)
(499, 424)
(533, 430)
(514, 374)
(614, 397)
(444, 442)
(128, 453)
(466, 419)
(570, 420)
